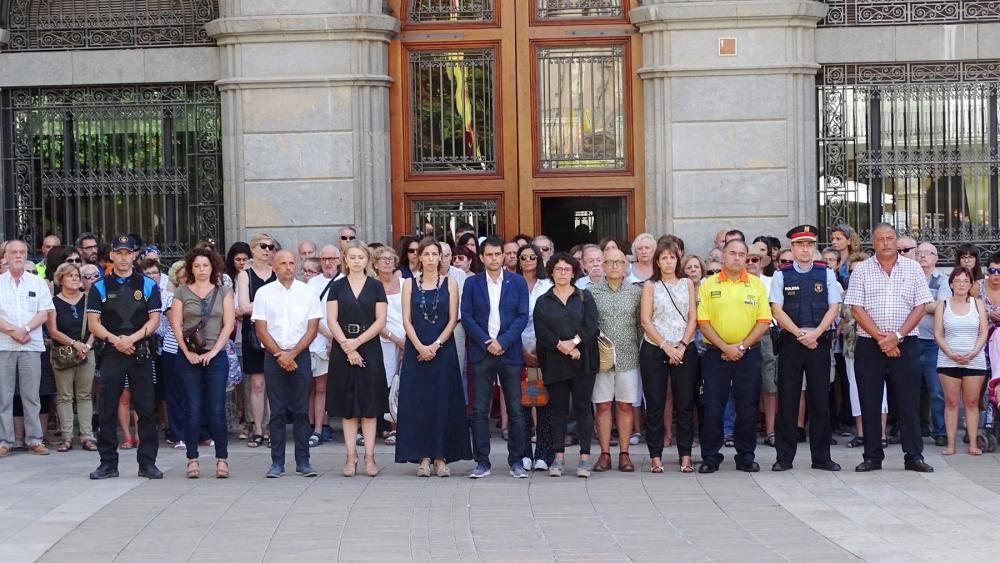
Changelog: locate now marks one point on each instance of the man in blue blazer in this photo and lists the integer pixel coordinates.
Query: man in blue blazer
(494, 314)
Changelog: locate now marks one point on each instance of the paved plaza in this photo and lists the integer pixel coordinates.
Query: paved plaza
(50, 511)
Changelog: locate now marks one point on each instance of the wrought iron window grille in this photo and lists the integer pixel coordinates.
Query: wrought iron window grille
(427, 11)
(551, 9)
(444, 217)
(908, 12)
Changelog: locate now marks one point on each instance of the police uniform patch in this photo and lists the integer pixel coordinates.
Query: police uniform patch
(137, 295)
(819, 287)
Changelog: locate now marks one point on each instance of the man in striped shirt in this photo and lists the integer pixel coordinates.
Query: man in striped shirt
(887, 295)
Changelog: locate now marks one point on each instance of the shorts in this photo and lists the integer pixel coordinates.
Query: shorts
(319, 365)
(959, 373)
(768, 365)
(621, 386)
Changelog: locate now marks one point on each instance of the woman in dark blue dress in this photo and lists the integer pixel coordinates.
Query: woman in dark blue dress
(431, 422)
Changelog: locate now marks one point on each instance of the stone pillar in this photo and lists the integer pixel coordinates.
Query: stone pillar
(730, 136)
(305, 103)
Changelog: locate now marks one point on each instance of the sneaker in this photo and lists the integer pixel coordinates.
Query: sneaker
(634, 439)
(517, 471)
(556, 469)
(180, 445)
(305, 470)
(481, 470)
(207, 443)
(526, 463)
(104, 471)
(276, 470)
(583, 468)
(150, 472)
(360, 440)
(540, 465)
(38, 449)
(314, 440)
(326, 435)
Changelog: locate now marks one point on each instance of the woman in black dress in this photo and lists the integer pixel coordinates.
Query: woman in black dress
(356, 311)
(248, 282)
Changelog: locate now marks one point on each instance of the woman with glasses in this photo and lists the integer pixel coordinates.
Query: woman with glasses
(89, 274)
(530, 267)
(310, 269)
(967, 256)
(961, 329)
(248, 282)
(65, 327)
(566, 328)
(408, 260)
(203, 366)
(356, 313)
(667, 354)
(432, 420)
(393, 338)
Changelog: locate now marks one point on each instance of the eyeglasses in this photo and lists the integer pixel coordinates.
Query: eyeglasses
(90, 247)
(994, 271)
(754, 259)
(310, 272)
(527, 258)
(615, 263)
(906, 249)
(563, 269)
(74, 261)
(387, 259)
(713, 272)
(330, 258)
(347, 237)
(785, 261)
(91, 276)
(264, 246)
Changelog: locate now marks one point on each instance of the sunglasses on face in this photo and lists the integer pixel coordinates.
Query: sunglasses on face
(411, 250)
(347, 237)
(265, 246)
(91, 276)
(754, 259)
(994, 271)
(527, 258)
(74, 261)
(785, 261)
(906, 249)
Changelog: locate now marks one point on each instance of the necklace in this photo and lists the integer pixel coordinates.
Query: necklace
(430, 313)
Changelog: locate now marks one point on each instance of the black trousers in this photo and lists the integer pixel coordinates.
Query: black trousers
(114, 367)
(582, 388)
(743, 378)
(288, 393)
(793, 360)
(871, 367)
(657, 373)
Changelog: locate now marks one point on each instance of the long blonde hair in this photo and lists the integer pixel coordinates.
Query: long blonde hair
(360, 245)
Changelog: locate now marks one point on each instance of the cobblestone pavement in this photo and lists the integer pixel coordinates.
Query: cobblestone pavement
(50, 511)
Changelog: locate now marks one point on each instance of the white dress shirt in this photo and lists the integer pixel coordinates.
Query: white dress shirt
(494, 288)
(319, 285)
(287, 311)
(19, 302)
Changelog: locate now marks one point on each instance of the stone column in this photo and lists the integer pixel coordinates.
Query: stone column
(730, 135)
(305, 103)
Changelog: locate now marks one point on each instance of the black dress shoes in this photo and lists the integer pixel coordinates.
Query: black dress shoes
(104, 471)
(752, 467)
(828, 465)
(707, 468)
(868, 465)
(781, 466)
(920, 466)
(150, 472)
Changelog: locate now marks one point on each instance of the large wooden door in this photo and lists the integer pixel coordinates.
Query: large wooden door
(499, 105)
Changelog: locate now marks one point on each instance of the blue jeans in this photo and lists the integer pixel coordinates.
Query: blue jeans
(205, 390)
(173, 390)
(928, 367)
(729, 416)
(510, 385)
(743, 378)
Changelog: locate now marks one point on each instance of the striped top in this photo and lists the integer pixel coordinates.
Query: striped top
(961, 333)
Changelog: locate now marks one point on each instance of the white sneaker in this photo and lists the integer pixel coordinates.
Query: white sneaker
(526, 463)
(180, 446)
(634, 439)
(540, 465)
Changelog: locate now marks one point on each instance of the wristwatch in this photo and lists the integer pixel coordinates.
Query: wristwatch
(899, 337)
(742, 347)
(439, 343)
(802, 332)
(576, 340)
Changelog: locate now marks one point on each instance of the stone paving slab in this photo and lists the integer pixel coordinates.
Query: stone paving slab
(52, 512)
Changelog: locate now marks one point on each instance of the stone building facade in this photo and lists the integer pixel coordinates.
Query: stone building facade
(228, 117)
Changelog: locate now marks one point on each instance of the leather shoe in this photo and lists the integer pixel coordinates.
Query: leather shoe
(781, 466)
(828, 465)
(940, 441)
(625, 463)
(752, 467)
(104, 471)
(603, 462)
(708, 468)
(150, 472)
(920, 466)
(868, 465)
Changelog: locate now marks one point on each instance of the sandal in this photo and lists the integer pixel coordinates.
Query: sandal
(65, 446)
(351, 465)
(390, 439)
(948, 451)
(769, 439)
(313, 440)
(193, 472)
(255, 441)
(442, 469)
(90, 445)
(222, 469)
(424, 469)
(975, 451)
(687, 467)
(655, 466)
(856, 442)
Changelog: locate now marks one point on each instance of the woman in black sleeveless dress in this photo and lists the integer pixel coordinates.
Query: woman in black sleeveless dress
(250, 280)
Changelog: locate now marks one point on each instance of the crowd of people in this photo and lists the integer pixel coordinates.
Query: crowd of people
(418, 344)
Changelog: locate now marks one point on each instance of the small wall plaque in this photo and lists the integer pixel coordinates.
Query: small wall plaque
(727, 46)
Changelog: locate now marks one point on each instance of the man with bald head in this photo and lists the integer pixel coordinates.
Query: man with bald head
(48, 243)
(307, 249)
(286, 317)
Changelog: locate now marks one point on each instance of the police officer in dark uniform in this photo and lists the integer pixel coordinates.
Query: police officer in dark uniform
(805, 300)
(123, 310)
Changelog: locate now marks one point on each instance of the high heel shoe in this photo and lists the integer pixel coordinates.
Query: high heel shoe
(371, 469)
(193, 472)
(351, 467)
(221, 469)
(442, 469)
(424, 469)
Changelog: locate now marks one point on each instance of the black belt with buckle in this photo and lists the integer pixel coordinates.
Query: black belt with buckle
(354, 328)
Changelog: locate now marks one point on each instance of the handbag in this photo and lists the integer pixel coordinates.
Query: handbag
(606, 353)
(235, 371)
(64, 357)
(194, 337)
(533, 391)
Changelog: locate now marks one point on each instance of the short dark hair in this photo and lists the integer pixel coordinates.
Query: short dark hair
(84, 237)
(567, 258)
(540, 273)
(149, 263)
(736, 232)
(668, 247)
(994, 258)
(958, 271)
(739, 240)
(522, 236)
(214, 258)
(491, 241)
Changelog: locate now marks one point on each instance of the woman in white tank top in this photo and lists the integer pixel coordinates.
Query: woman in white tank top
(960, 329)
